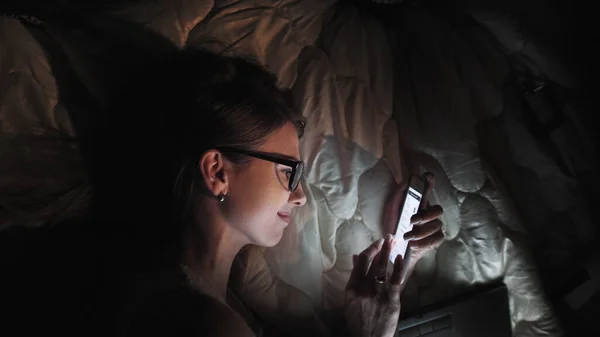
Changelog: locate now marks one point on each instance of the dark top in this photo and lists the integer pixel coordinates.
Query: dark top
(165, 304)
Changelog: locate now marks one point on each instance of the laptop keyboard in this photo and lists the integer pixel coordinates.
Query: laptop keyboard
(427, 328)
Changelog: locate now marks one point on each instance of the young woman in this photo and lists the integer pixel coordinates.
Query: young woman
(204, 162)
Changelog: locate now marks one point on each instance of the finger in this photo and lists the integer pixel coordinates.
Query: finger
(421, 232)
(392, 211)
(374, 268)
(385, 253)
(396, 279)
(427, 215)
(364, 260)
(429, 179)
(430, 242)
(380, 263)
(397, 196)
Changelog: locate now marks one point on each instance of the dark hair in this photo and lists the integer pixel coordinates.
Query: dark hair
(168, 113)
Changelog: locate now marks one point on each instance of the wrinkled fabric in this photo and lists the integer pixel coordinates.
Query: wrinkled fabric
(41, 169)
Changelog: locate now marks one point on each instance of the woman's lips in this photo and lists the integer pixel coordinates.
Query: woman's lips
(285, 217)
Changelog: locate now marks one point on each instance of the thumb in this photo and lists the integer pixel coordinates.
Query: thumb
(392, 209)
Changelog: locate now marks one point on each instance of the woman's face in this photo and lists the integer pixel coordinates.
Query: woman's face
(259, 202)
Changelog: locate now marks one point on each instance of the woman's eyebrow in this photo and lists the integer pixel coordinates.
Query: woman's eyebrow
(284, 156)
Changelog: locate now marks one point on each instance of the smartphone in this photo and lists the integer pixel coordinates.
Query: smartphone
(410, 206)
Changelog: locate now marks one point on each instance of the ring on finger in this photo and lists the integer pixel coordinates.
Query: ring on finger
(380, 279)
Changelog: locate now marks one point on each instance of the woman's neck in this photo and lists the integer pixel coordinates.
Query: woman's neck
(209, 251)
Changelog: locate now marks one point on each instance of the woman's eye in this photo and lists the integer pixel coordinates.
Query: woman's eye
(288, 173)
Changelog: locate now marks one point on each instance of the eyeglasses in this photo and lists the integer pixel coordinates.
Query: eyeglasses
(297, 166)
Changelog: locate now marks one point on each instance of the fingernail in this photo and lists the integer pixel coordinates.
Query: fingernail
(398, 259)
(380, 242)
(409, 236)
(417, 221)
(389, 237)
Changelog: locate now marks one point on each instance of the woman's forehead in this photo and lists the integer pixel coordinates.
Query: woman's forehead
(283, 141)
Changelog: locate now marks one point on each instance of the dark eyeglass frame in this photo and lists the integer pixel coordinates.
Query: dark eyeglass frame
(297, 166)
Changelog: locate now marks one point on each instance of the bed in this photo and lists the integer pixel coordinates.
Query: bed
(373, 91)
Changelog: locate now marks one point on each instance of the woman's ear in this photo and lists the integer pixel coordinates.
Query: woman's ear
(212, 169)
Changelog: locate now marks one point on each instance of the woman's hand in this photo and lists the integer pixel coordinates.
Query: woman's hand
(372, 306)
(372, 297)
(426, 234)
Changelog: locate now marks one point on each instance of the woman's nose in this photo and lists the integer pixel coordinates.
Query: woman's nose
(297, 198)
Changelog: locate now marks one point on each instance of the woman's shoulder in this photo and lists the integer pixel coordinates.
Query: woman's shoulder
(186, 312)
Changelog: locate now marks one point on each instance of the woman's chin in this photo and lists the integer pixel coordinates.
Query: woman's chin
(271, 241)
